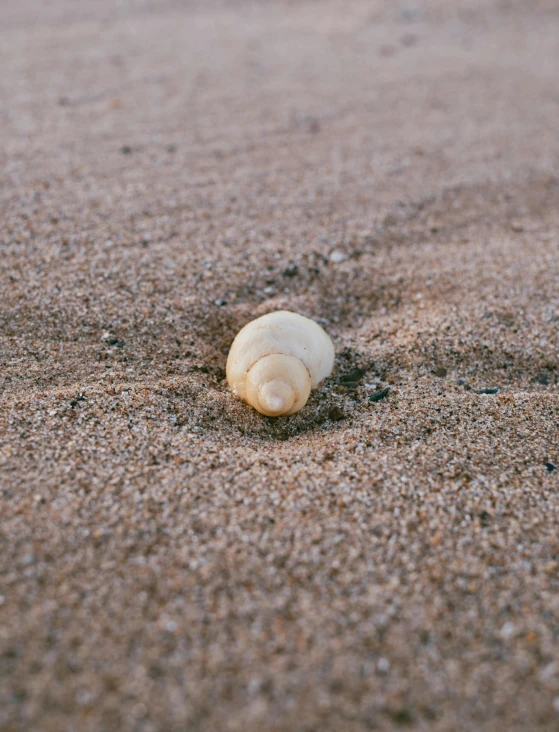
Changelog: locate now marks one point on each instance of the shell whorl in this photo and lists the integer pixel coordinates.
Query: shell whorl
(278, 384)
(276, 360)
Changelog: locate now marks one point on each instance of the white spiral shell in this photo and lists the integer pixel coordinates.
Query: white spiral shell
(276, 360)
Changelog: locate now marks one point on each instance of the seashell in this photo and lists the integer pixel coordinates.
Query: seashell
(276, 360)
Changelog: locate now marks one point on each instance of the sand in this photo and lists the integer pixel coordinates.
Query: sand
(171, 560)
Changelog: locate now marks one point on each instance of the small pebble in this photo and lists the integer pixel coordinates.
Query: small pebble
(353, 376)
(378, 395)
(550, 467)
(336, 257)
(383, 665)
(335, 414)
(494, 390)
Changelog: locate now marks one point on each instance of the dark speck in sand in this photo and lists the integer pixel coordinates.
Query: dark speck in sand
(79, 398)
(402, 717)
(126, 149)
(485, 518)
(291, 271)
(550, 467)
(440, 371)
(494, 390)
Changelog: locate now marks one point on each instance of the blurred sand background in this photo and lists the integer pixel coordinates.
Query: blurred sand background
(171, 560)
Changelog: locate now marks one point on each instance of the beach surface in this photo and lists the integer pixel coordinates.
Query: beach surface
(172, 561)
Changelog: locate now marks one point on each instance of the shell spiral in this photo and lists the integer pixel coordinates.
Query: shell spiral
(276, 360)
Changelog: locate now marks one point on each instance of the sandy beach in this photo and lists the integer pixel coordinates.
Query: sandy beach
(173, 561)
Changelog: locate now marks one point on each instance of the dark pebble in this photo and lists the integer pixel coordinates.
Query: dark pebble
(353, 376)
(314, 126)
(488, 391)
(485, 518)
(378, 395)
(402, 717)
(126, 149)
(543, 378)
(440, 371)
(291, 271)
(335, 414)
(550, 467)
(77, 400)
